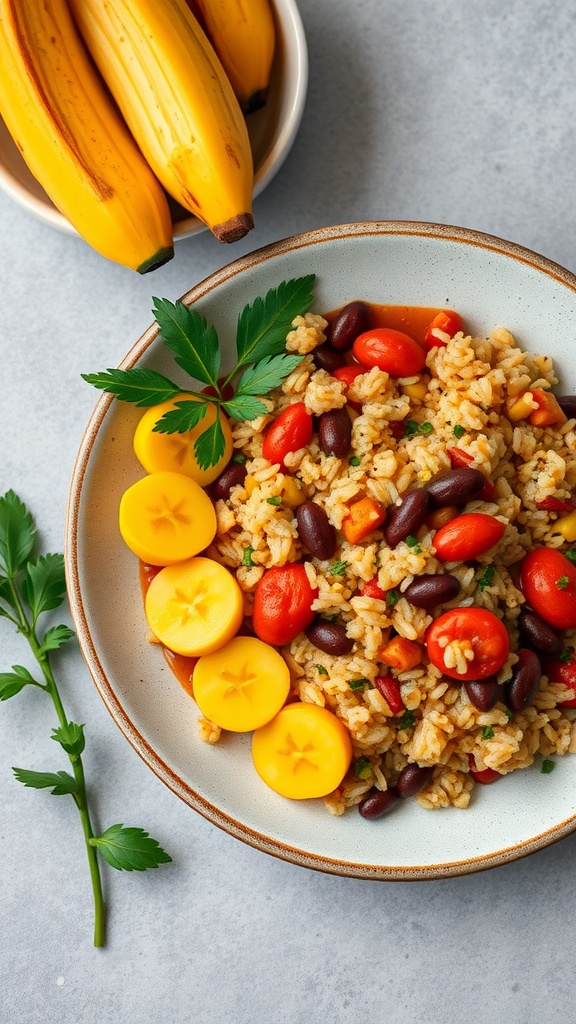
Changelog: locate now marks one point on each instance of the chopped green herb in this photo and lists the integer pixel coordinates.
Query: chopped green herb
(458, 431)
(354, 460)
(274, 500)
(413, 543)
(408, 720)
(330, 618)
(571, 555)
(565, 656)
(262, 363)
(363, 768)
(321, 670)
(358, 684)
(562, 582)
(339, 568)
(485, 580)
(509, 713)
(247, 556)
(392, 598)
(487, 732)
(241, 459)
(547, 766)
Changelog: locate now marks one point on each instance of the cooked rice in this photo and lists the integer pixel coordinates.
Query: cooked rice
(469, 382)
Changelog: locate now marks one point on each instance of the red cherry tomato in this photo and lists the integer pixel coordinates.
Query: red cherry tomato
(486, 634)
(393, 351)
(486, 776)
(291, 430)
(562, 672)
(390, 690)
(467, 536)
(548, 581)
(371, 589)
(448, 321)
(283, 604)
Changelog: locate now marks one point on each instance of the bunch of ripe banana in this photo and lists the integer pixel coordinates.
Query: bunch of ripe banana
(116, 105)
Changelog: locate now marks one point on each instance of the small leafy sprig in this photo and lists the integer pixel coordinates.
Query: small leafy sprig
(262, 364)
(29, 588)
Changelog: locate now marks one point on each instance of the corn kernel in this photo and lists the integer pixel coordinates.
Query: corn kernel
(566, 525)
(522, 407)
(417, 391)
(250, 484)
(291, 493)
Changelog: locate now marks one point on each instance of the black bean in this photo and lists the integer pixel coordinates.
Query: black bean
(483, 693)
(519, 691)
(377, 803)
(412, 779)
(235, 473)
(568, 405)
(432, 589)
(456, 486)
(327, 358)
(538, 634)
(351, 321)
(330, 637)
(407, 518)
(315, 530)
(335, 432)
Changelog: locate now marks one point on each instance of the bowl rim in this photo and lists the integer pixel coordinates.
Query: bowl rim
(287, 12)
(215, 815)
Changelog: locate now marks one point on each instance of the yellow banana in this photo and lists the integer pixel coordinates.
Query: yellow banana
(178, 103)
(74, 141)
(244, 36)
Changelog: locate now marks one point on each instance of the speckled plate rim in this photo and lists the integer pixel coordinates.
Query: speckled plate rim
(236, 828)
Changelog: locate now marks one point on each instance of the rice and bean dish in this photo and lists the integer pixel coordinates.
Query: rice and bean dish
(363, 491)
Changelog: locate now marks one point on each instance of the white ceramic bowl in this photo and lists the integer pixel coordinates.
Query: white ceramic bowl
(491, 283)
(272, 130)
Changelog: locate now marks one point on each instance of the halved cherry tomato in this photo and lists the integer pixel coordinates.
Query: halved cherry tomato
(467, 536)
(448, 321)
(486, 776)
(390, 690)
(548, 582)
(348, 374)
(283, 604)
(372, 589)
(486, 634)
(393, 351)
(562, 672)
(291, 430)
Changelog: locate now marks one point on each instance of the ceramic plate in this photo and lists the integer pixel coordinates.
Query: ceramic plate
(491, 283)
(272, 131)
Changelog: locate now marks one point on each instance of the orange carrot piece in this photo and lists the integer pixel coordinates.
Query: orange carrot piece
(363, 517)
(548, 411)
(401, 653)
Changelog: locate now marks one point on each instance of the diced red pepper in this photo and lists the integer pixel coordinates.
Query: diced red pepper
(552, 504)
(390, 690)
(458, 457)
(372, 589)
(486, 776)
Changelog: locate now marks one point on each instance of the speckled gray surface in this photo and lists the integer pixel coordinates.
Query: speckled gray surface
(460, 113)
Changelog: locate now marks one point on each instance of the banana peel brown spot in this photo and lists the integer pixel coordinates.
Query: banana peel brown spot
(232, 154)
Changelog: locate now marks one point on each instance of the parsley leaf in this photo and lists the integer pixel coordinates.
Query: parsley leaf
(487, 732)
(70, 736)
(263, 326)
(138, 385)
(54, 638)
(45, 584)
(12, 682)
(321, 670)
(485, 579)
(244, 407)
(408, 720)
(363, 768)
(247, 556)
(571, 555)
(191, 338)
(17, 534)
(267, 374)
(392, 598)
(358, 684)
(182, 418)
(61, 783)
(130, 849)
(210, 445)
(339, 568)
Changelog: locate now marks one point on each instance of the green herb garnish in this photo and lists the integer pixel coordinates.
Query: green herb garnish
(571, 555)
(358, 684)
(459, 431)
(413, 543)
(321, 670)
(565, 656)
(392, 598)
(274, 500)
(485, 580)
(260, 355)
(338, 569)
(247, 556)
(487, 732)
(509, 713)
(30, 587)
(408, 720)
(547, 766)
(354, 460)
(363, 768)
(562, 582)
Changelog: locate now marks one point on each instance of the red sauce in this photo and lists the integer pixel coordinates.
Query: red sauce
(412, 320)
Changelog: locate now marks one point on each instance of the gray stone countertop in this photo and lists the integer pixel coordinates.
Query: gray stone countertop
(446, 111)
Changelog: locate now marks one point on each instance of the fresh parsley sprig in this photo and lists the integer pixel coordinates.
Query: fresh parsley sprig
(262, 363)
(29, 588)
